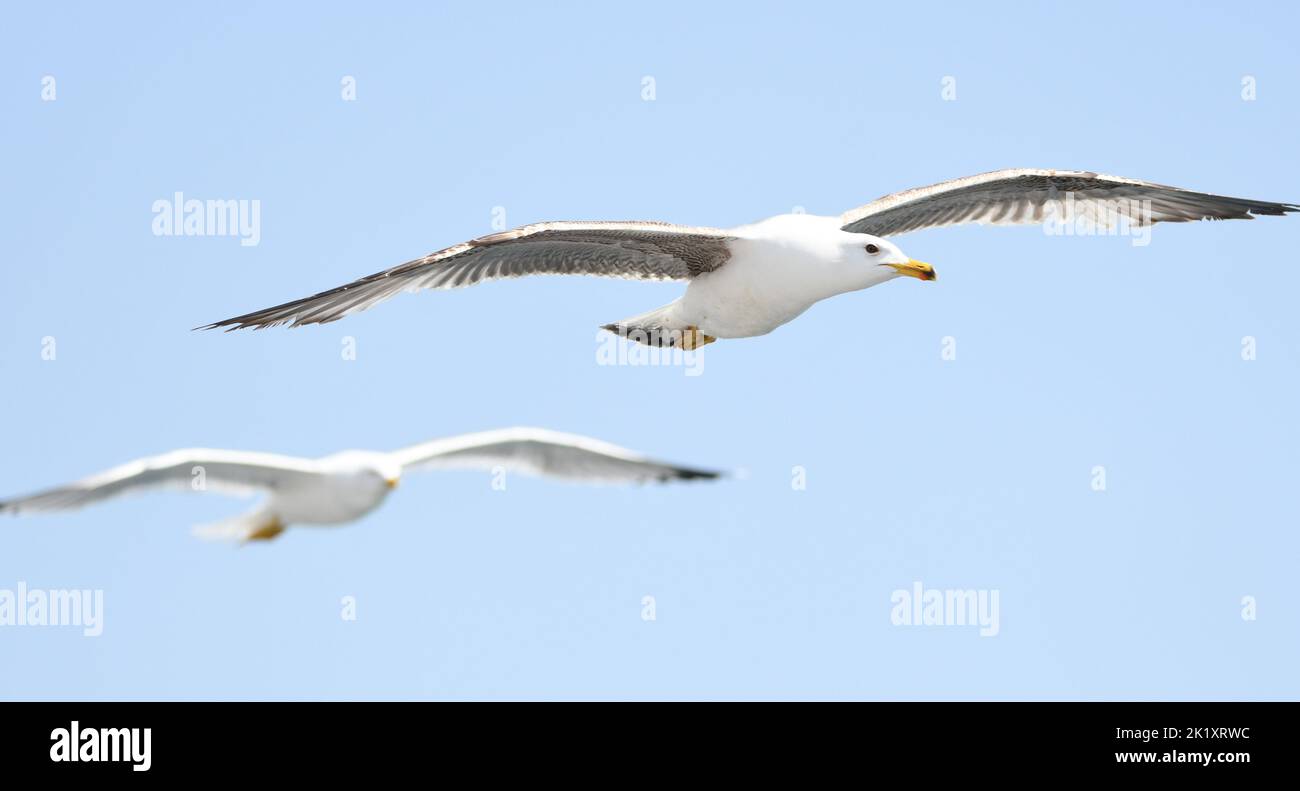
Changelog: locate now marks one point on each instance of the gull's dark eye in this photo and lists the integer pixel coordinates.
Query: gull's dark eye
(872, 249)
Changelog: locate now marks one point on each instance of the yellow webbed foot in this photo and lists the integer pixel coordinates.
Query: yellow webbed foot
(693, 339)
(267, 531)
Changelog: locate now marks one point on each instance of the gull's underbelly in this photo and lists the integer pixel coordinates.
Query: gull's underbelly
(324, 506)
(745, 298)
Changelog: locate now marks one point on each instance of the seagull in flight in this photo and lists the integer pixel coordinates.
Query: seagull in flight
(346, 486)
(749, 280)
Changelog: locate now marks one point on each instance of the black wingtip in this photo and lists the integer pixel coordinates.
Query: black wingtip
(1271, 210)
(242, 323)
(691, 474)
(227, 324)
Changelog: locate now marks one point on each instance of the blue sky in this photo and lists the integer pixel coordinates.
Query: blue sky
(971, 473)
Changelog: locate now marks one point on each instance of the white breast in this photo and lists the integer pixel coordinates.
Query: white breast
(778, 268)
(335, 499)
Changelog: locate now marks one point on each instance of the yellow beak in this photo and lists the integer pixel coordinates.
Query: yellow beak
(916, 269)
(392, 482)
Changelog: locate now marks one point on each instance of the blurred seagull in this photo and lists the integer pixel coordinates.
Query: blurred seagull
(749, 280)
(348, 485)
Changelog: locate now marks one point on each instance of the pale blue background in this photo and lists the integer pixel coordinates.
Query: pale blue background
(973, 473)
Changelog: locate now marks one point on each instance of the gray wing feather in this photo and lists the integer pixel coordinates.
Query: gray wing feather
(1021, 196)
(229, 472)
(547, 453)
(635, 250)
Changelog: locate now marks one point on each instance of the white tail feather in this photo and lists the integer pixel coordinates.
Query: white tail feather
(659, 327)
(252, 526)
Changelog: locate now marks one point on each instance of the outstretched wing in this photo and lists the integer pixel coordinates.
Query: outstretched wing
(636, 250)
(1021, 196)
(225, 471)
(548, 453)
